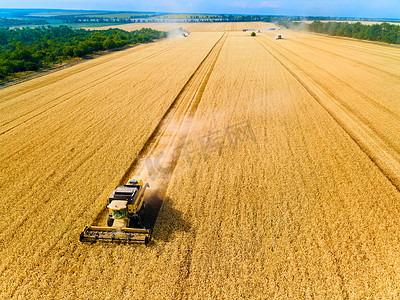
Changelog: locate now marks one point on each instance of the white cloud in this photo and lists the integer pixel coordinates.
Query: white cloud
(269, 4)
(241, 4)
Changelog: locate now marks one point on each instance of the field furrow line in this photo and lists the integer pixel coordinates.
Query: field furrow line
(76, 92)
(10, 231)
(185, 97)
(97, 62)
(383, 109)
(379, 52)
(383, 156)
(358, 62)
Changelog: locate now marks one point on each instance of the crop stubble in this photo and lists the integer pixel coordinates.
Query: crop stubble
(301, 212)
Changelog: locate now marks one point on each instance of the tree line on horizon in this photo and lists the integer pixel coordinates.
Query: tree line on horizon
(30, 49)
(383, 32)
(8, 22)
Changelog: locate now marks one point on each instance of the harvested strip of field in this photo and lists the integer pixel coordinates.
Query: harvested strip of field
(157, 159)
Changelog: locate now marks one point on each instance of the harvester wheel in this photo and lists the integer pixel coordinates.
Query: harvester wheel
(135, 222)
(110, 220)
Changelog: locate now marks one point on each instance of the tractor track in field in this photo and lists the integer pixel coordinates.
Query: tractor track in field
(82, 68)
(380, 52)
(360, 63)
(380, 153)
(338, 271)
(377, 105)
(170, 134)
(74, 93)
(347, 85)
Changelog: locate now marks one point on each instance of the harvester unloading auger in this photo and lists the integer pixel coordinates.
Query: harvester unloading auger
(125, 217)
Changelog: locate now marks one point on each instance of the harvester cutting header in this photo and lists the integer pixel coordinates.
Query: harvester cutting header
(125, 218)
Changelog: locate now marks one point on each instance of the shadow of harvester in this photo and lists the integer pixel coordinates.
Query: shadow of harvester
(169, 220)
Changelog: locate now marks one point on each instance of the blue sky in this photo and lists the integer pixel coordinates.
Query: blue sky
(339, 8)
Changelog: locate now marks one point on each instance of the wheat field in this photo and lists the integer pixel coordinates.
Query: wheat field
(279, 178)
(194, 27)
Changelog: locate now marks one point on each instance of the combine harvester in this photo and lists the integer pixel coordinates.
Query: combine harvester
(125, 217)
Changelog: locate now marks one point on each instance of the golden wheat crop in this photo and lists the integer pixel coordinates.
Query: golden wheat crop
(280, 178)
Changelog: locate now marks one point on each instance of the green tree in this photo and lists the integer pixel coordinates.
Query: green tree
(28, 49)
(109, 43)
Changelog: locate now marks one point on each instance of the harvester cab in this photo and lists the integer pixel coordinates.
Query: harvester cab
(118, 214)
(125, 218)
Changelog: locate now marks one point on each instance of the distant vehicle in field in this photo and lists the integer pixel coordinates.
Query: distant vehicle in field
(279, 37)
(185, 33)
